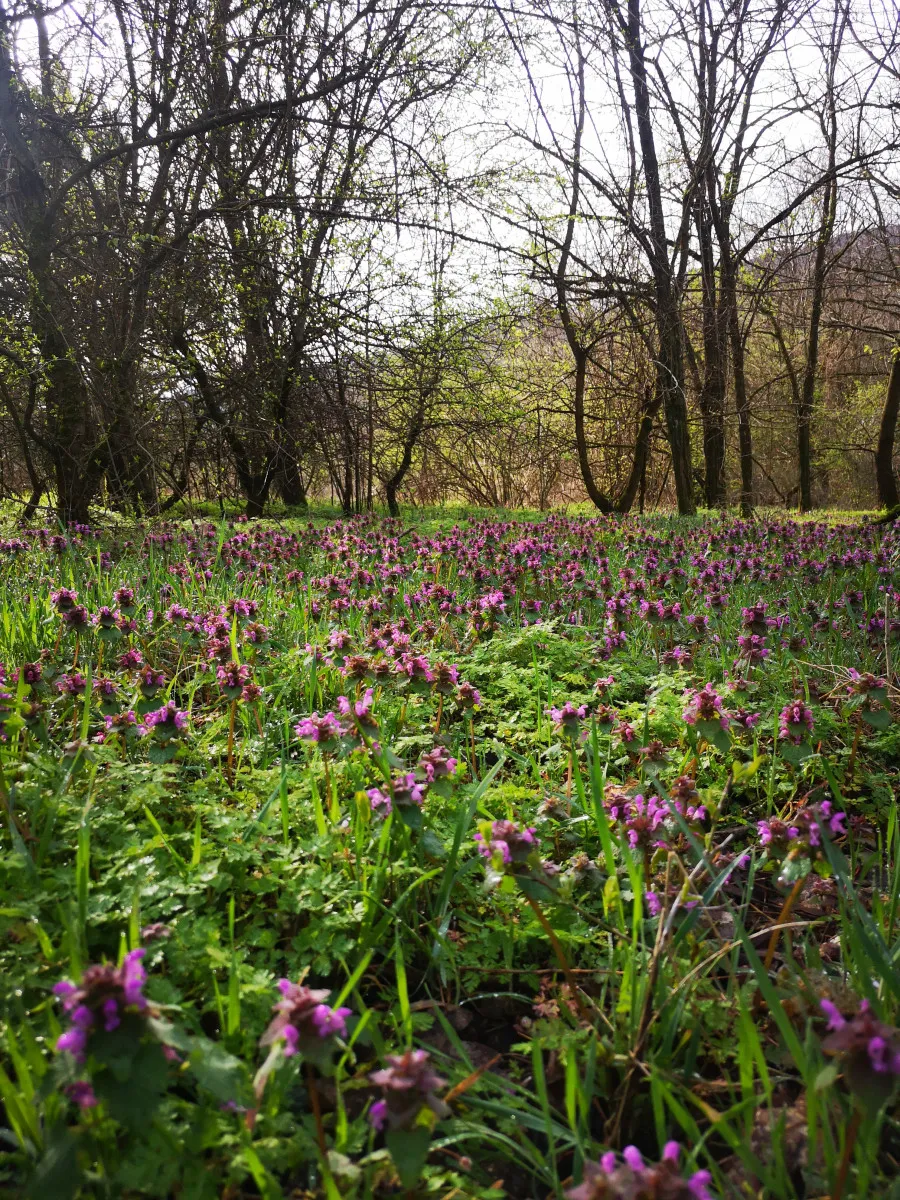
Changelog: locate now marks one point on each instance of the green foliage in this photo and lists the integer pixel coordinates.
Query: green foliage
(620, 995)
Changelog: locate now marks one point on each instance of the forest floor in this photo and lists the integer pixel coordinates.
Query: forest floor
(545, 857)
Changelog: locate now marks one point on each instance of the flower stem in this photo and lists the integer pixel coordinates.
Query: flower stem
(230, 771)
(317, 1115)
(561, 959)
(849, 1144)
(852, 763)
(782, 917)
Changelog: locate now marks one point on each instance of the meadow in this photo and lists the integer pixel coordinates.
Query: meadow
(546, 857)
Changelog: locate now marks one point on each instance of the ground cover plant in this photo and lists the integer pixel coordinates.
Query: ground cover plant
(550, 857)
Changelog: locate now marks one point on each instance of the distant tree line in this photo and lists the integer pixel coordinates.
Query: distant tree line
(512, 252)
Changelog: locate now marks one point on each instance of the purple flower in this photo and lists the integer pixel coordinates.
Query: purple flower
(754, 618)
(795, 722)
(753, 648)
(437, 764)
(862, 685)
(81, 1093)
(567, 719)
(359, 711)
(72, 685)
(32, 673)
(63, 600)
(320, 730)
(705, 705)
(330, 1022)
(157, 931)
(106, 617)
(241, 608)
(303, 1019)
(407, 791)
(446, 678)
(408, 1084)
(100, 1000)
(643, 819)
(166, 722)
(869, 1050)
(804, 834)
(124, 597)
(504, 843)
(150, 682)
(380, 801)
(232, 678)
(416, 668)
(632, 1179)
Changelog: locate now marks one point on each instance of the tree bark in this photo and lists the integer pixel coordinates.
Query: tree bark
(638, 476)
(712, 390)
(888, 494)
(808, 393)
(741, 396)
(670, 363)
(597, 497)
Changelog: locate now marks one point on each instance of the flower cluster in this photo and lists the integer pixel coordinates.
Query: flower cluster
(405, 791)
(408, 1085)
(632, 1179)
(232, 678)
(705, 705)
(324, 731)
(303, 1021)
(104, 995)
(803, 832)
(504, 843)
(567, 720)
(795, 722)
(166, 722)
(437, 764)
(869, 1050)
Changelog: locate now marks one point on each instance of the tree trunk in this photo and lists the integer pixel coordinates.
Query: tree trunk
(638, 476)
(670, 363)
(712, 387)
(288, 480)
(392, 485)
(829, 123)
(741, 397)
(129, 460)
(256, 490)
(808, 393)
(888, 495)
(597, 498)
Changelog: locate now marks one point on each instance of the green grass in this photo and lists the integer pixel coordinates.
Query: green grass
(567, 1011)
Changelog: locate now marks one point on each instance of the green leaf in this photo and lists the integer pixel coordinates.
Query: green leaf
(432, 844)
(715, 735)
(878, 718)
(535, 889)
(220, 1073)
(409, 1153)
(826, 1077)
(794, 754)
(792, 869)
(410, 815)
(133, 1090)
(57, 1174)
(162, 753)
